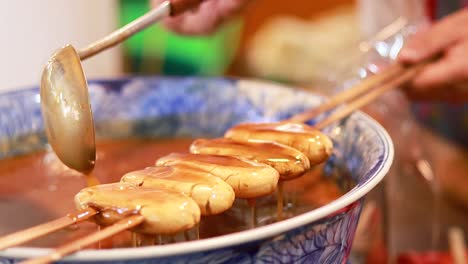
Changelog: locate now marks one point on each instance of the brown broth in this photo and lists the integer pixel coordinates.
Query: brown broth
(35, 188)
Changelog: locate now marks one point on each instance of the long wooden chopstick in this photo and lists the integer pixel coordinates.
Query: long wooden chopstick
(78, 244)
(34, 232)
(363, 93)
(369, 97)
(349, 94)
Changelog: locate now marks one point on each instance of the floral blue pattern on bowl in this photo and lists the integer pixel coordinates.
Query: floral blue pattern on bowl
(196, 107)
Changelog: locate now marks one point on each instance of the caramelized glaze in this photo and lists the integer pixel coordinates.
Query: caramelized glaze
(212, 194)
(248, 179)
(91, 179)
(313, 143)
(36, 188)
(165, 211)
(289, 162)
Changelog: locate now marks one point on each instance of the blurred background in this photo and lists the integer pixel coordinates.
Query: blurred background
(32, 30)
(308, 44)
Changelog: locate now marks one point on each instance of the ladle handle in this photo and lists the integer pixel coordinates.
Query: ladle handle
(165, 9)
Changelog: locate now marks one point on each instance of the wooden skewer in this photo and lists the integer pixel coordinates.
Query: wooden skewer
(368, 98)
(457, 245)
(349, 94)
(398, 75)
(78, 244)
(29, 234)
(253, 212)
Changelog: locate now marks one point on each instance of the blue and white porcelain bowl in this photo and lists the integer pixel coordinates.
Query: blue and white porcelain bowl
(177, 107)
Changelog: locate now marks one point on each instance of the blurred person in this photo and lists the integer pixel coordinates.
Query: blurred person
(445, 80)
(204, 19)
(418, 216)
(438, 94)
(433, 91)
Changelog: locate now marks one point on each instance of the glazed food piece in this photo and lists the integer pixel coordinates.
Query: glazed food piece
(212, 194)
(247, 178)
(313, 143)
(289, 162)
(165, 211)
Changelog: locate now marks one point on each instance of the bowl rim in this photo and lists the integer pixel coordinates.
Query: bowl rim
(233, 239)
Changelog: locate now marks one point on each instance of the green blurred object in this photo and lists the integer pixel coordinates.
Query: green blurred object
(157, 51)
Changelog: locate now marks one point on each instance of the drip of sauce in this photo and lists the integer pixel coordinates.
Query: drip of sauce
(143, 240)
(253, 212)
(172, 239)
(197, 232)
(280, 201)
(91, 179)
(314, 144)
(134, 239)
(186, 236)
(99, 246)
(289, 162)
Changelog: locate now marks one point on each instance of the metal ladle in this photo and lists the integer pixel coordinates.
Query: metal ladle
(65, 105)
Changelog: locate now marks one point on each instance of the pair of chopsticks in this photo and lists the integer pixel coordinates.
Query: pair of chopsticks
(349, 100)
(363, 93)
(29, 234)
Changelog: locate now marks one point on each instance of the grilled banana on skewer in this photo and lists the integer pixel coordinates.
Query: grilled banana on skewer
(289, 162)
(166, 212)
(248, 179)
(212, 194)
(313, 143)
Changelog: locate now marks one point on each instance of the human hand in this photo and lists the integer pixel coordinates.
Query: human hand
(447, 78)
(205, 19)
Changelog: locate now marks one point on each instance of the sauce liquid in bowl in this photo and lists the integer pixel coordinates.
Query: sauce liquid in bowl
(37, 187)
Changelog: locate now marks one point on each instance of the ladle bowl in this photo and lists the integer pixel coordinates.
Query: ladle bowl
(66, 110)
